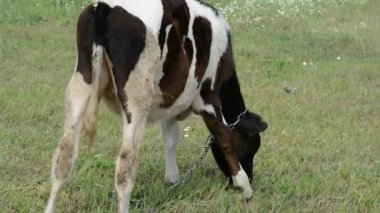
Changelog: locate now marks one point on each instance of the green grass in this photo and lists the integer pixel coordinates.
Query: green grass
(320, 153)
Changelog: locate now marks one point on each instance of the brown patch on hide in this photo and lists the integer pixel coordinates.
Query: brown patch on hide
(125, 40)
(203, 38)
(175, 12)
(226, 66)
(180, 52)
(205, 91)
(175, 68)
(188, 46)
(85, 40)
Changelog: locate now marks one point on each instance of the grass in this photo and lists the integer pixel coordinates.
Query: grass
(320, 153)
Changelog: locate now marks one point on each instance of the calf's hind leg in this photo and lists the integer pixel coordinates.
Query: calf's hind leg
(127, 161)
(77, 96)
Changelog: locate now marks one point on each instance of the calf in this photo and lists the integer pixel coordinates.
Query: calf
(156, 60)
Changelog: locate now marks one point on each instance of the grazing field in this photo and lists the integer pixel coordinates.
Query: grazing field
(311, 68)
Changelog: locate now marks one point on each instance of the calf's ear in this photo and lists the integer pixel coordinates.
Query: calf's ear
(251, 123)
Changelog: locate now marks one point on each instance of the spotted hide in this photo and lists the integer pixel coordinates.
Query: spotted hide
(156, 60)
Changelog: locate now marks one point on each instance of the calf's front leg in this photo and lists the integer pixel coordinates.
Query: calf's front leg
(171, 134)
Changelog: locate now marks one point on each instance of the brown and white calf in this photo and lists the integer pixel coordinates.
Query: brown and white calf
(156, 60)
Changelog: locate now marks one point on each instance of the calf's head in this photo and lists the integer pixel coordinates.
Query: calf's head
(246, 143)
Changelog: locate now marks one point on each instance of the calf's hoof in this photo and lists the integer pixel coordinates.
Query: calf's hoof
(172, 178)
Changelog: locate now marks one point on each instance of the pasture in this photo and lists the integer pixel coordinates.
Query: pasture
(310, 68)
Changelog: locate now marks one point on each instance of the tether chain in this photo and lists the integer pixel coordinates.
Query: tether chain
(206, 147)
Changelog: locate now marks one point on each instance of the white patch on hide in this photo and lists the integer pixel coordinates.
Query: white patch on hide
(224, 120)
(241, 180)
(140, 85)
(149, 11)
(199, 106)
(219, 41)
(171, 133)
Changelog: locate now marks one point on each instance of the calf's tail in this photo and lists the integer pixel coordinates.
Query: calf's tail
(91, 30)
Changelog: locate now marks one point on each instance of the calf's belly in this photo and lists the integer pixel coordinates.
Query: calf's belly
(157, 112)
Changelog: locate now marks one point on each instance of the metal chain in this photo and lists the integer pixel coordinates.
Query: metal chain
(233, 125)
(206, 148)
